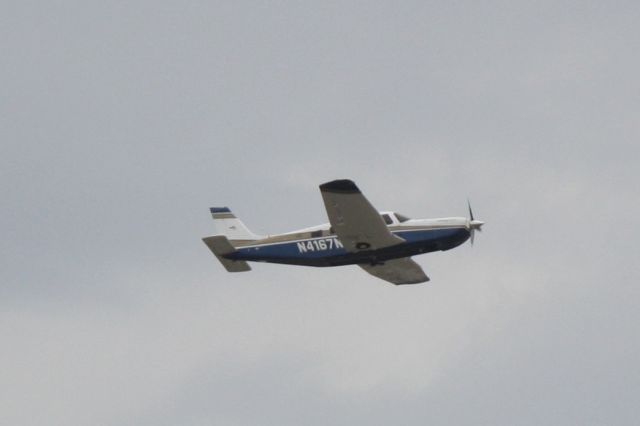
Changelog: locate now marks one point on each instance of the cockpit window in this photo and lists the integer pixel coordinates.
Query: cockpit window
(387, 219)
(401, 218)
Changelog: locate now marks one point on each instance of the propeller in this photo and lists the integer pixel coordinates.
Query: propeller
(473, 224)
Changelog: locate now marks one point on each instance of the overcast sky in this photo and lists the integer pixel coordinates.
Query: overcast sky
(122, 122)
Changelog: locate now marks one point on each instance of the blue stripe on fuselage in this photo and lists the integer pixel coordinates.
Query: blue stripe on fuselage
(429, 235)
(309, 248)
(325, 251)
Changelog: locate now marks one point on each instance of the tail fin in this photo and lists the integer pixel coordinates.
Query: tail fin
(229, 225)
(220, 246)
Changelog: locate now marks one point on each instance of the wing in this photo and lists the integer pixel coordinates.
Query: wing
(398, 271)
(356, 222)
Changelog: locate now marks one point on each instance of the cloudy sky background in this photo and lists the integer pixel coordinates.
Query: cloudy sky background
(122, 122)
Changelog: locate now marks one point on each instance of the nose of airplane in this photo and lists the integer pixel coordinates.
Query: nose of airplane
(473, 224)
(476, 224)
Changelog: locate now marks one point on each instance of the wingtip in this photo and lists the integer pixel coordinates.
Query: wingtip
(219, 210)
(345, 186)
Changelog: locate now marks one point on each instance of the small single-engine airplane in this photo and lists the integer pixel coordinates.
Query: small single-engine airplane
(381, 243)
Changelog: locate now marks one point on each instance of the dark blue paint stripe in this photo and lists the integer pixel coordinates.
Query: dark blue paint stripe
(220, 210)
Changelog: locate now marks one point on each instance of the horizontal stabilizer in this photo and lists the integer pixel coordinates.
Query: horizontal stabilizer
(220, 246)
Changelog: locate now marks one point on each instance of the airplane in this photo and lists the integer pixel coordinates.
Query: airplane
(381, 243)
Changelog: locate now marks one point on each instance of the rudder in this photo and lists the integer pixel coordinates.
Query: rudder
(229, 225)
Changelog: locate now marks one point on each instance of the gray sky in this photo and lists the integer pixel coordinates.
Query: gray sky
(121, 123)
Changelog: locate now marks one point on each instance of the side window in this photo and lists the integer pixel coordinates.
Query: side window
(315, 234)
(387, 219)
(401, 218)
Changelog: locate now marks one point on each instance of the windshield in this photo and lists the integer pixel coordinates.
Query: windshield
(401, 218)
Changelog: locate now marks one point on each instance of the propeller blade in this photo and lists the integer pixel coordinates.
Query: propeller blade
(473, 224)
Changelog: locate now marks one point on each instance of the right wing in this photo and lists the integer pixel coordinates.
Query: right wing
(355, 221)
(398, 271)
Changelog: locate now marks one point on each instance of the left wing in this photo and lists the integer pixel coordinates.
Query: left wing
(355, 221)
(397, 271)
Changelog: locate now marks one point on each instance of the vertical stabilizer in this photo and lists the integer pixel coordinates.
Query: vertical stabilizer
(229, 225)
